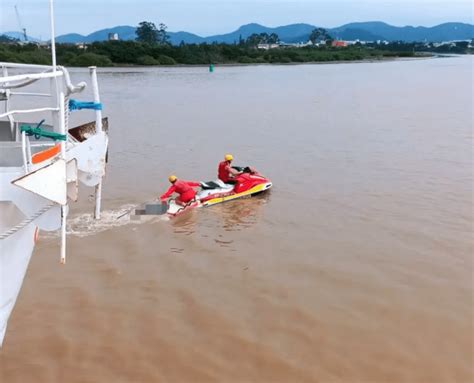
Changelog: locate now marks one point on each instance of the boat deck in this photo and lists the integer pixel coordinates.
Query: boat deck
(10, 150)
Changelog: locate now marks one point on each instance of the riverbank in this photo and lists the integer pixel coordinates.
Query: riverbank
(364, 61)
(124, 53)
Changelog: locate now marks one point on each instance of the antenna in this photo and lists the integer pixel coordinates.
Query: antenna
(19, 23)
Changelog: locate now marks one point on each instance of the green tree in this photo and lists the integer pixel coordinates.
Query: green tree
(262, 38)
(253, 40)
(147, 33)
(89, 59)
(163, 37)
(147, 60)
(318, 35)
(273, 39)
(166, 60)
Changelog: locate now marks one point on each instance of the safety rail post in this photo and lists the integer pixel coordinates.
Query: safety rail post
(23, 150)
(95, 89)
(7, 102)
(28, 149)
(64, 210)
(98, 129)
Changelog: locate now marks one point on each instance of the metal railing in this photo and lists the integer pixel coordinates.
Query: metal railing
(58, 96)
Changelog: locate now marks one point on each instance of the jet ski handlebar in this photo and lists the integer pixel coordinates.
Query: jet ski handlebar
(246, 169)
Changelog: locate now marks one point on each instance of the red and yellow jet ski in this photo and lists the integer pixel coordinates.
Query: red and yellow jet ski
(247, 184)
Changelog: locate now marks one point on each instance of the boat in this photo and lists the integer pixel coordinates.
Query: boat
(249, 183)
(42, 162)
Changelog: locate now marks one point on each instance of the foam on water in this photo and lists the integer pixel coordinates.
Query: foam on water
(84, 224)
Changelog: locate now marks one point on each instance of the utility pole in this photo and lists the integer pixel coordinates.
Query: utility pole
(19, 23)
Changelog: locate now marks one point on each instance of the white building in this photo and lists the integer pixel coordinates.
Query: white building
(267, 46)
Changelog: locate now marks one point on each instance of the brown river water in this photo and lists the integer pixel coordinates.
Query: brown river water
(356, 267)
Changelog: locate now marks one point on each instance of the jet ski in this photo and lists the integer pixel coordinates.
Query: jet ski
(247, 184)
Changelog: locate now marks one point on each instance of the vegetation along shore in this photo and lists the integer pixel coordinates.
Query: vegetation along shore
(151, 47)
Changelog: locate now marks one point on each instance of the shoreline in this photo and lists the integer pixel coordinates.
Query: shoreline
(362, 61)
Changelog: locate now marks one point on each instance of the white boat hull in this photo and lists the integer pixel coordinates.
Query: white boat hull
(15, 254)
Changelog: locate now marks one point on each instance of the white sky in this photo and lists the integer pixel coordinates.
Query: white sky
(208, 17)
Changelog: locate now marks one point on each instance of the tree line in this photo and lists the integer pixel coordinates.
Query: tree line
(152, 47)
(122, 53)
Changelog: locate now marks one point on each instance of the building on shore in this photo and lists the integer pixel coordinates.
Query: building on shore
(268, 46)
(338, 43)
(296, 45)
(113, 37)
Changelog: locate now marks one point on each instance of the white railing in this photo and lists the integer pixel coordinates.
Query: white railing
(48, 72)
(30, 76)
(34, 94)
(25, 66)
(26, 111)
(59, 92)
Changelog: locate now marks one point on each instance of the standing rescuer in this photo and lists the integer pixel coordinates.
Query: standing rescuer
(183, 188)
(225, 172)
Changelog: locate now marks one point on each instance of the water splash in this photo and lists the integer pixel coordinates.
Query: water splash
(84, 224)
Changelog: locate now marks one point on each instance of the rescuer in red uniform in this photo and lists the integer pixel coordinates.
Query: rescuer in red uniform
(225, 172)
(183, 188)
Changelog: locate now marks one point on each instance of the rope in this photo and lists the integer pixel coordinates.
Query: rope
(38, 132)
(66, 113)
(78, 105)
(25, 222)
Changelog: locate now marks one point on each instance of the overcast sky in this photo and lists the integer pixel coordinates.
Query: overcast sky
(208, 17)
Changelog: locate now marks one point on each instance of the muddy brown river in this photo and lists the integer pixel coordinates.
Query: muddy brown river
(356, 267)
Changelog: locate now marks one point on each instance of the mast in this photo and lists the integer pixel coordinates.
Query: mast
(20, 24)
(62, 128)
(53, 38)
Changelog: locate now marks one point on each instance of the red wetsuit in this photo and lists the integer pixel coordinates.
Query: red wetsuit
(183, 188)
(223, 171)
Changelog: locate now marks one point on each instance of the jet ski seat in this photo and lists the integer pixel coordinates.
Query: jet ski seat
(218, 184)
(209, 185)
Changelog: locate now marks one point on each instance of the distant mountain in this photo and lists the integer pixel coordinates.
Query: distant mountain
(287, 33)
(351, 34)
(125, 33)
(366, 31)
(233, 37)
(19, 36)
(442, 32)
(71, 38)
(177, 37)
(7, 39)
